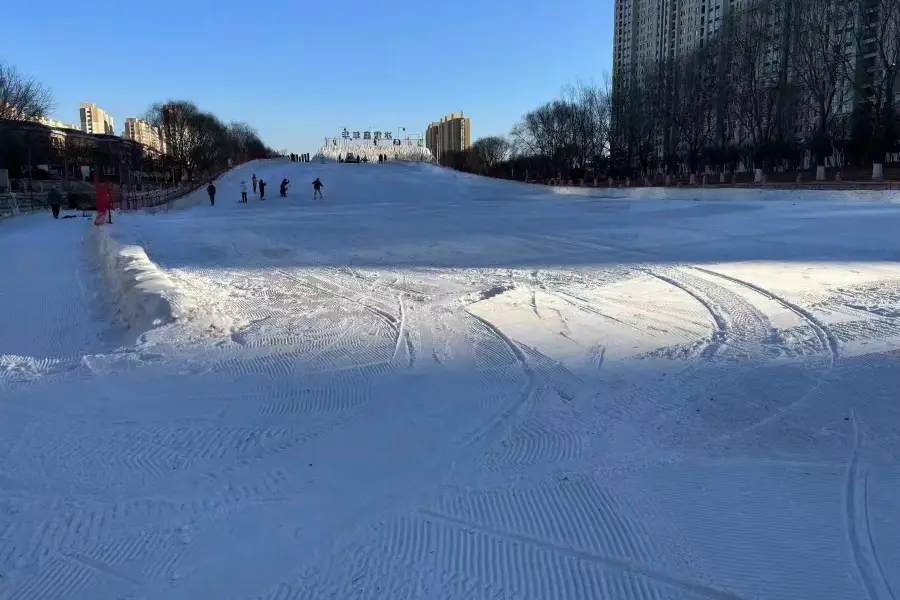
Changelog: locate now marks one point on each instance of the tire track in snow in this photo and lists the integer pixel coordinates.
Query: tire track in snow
(719, 336)
(403, 337)
(828, 340)
(510, 560)
(535, 443)
(59, 579)
(304, 399)
(486, 434)
(859, 532)
(579, 513)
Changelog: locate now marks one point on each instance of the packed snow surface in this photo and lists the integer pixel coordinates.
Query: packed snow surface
(434, 386)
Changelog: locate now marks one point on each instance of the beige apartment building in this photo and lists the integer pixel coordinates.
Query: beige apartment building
(95, 120)
(452, 133)
(144, 133)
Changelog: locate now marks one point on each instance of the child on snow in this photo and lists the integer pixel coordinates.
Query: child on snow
(262, 189)
(283, 188)
(243, 192)
(254, 182)
(317, 188)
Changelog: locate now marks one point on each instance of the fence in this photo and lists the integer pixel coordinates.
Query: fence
(87, 200)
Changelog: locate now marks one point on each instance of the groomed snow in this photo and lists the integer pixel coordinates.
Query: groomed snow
(431, 385)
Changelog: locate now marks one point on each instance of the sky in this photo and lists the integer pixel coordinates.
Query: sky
(299, 71)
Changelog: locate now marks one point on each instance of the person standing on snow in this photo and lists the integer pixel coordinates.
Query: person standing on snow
(243, 192)
(283, 190)
(54, 198)
(262, 189)
(253, 180)
(317, 188)
(211, 190)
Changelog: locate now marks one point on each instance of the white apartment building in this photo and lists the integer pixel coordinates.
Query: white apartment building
(144, 133)
(96, 120)
(56, 123)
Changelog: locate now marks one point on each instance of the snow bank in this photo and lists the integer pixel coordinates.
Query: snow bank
(731, 194)
(146, 297)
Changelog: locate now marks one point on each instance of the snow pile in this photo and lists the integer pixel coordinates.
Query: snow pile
(407, 153)
(145, 294)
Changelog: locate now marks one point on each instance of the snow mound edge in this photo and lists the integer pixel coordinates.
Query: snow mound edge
(145, 295)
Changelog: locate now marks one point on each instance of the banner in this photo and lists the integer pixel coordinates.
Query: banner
(104, 203)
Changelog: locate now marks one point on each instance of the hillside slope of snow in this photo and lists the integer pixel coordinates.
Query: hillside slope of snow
(431, 385)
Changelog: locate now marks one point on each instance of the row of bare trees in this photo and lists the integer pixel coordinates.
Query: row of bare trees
(197, 142)
(561, 138)
(781, 84)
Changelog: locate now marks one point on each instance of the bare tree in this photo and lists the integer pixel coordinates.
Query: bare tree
(22, 98)
(693, 114)
(756, 75)
(820, 65)
(876, 69)
(489, 152)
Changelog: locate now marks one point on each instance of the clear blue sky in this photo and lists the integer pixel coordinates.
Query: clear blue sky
(299, 71)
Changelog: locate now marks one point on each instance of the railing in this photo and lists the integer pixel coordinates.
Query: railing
(12, 203)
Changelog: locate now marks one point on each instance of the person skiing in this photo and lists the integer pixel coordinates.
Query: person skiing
(262, 189)
(254, 182)
(211, 190)
(283, 189)
(317, 188)
(243, 192)
(54, 198)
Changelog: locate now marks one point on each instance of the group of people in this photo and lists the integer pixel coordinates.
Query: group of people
(261, 185)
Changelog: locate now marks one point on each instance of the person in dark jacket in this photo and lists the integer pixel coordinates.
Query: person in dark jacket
(54, 199)
(283, 188)
(317, 188)
(262, 189)
(211, 190)
(253, 181)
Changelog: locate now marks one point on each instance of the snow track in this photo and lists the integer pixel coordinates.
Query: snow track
(826, 337)
(470, 390)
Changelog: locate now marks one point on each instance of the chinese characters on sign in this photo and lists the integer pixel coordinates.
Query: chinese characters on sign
(373, 136)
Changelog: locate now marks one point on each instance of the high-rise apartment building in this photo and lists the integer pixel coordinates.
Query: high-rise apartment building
(144, 133)
(651, 30)
(452, 133)
(96, 120)
(648, 31)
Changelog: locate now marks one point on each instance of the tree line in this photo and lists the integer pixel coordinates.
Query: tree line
(197, 143)
(781, 85)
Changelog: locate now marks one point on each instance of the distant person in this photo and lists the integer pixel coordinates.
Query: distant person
(54, 199)
(317, 188)
(243, 192)
(283, 188)
(211, 190)
(262, 189)
(254, 182)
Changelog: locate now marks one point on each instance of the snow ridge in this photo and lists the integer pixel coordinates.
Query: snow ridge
(145, 295)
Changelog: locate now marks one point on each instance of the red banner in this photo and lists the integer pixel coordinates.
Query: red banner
(104, 201)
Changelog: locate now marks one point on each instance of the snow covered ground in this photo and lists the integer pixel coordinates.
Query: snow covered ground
(436, 386)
